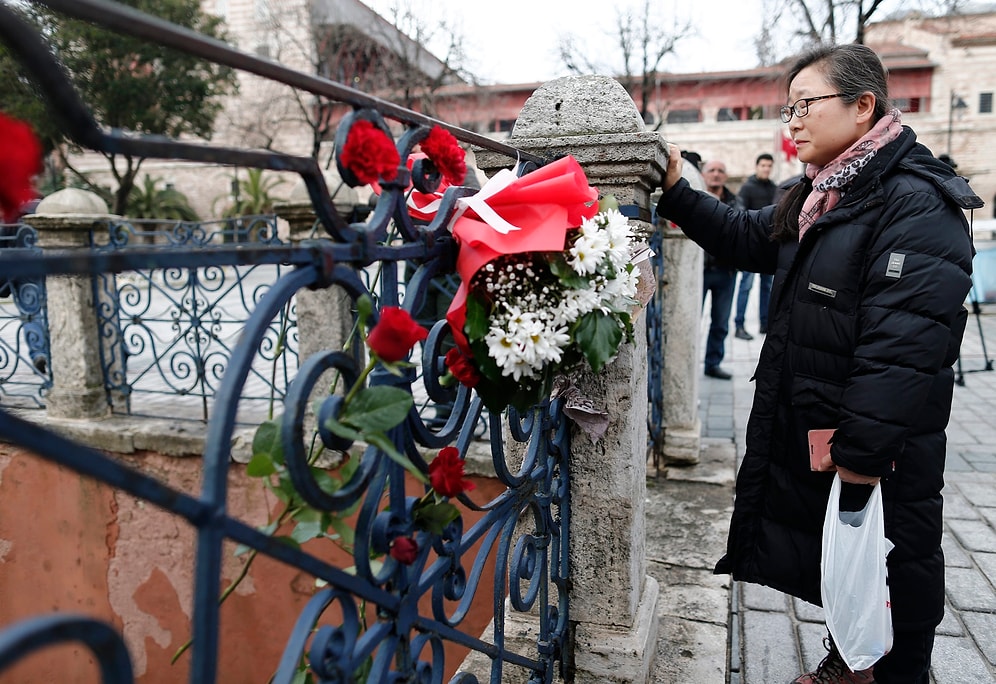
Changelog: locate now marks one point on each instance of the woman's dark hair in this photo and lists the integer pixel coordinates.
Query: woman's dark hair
(851, 69)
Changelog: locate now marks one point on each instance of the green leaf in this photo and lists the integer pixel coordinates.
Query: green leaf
(343, 430)
(364, 309)
(266, 447)
(599, 336)
(260, 465)
(476, 325)
(346, 533)
(434, 517)
(378, 408)
(300, 677)
(380, 440)
(608, 202)
(567, 276)
(325, 481)
(306, 531)
(307, 514)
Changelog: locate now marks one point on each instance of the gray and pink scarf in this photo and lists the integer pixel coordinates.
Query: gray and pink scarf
(829, 180)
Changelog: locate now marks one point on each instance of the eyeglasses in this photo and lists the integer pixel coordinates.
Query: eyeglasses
(801, 107)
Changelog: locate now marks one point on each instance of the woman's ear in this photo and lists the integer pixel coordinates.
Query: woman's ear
(866, 108)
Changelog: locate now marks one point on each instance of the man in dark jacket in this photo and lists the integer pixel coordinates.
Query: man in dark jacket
(718, 280)
(757, 192)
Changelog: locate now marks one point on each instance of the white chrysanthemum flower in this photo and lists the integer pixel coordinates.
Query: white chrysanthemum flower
(579, 302)
(619, 238)
(589, 249)
(621, 290)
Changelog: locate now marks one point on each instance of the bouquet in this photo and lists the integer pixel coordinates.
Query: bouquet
(548, 283)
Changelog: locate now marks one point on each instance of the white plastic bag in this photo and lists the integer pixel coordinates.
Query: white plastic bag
(854, 582)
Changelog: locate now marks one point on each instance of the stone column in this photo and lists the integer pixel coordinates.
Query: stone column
(64, 220)
(324, 317)
(613, 602)
(682, 313)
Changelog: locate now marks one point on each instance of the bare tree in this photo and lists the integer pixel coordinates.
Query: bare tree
(843, 21)
(349, 43)
(641, 47)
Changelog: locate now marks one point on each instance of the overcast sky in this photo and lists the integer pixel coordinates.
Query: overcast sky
(515, 41)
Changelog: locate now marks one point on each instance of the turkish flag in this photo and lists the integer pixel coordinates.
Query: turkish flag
(788, 147)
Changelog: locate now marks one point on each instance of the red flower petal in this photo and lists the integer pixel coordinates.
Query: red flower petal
(369, 153)
(445, 152)
(395, 334)
(404, 550)
(446, 473)
(20, 161)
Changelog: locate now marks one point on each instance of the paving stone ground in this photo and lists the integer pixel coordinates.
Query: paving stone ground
(764, 637)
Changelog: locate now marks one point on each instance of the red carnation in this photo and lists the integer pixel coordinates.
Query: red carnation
(395, 334)
(369, 153)
(444, 151)
(404, 550)
(20, 161)
(462, 368)
(446, 473)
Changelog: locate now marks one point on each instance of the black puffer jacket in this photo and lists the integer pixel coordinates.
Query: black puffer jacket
(867, 315)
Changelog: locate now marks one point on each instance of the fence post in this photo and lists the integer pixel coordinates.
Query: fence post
(324, 316)
(613, 602)
(64, 221)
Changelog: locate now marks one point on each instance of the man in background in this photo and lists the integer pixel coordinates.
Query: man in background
(757, 191)
(718, 280)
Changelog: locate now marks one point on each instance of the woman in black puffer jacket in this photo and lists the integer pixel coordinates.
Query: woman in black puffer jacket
(872, 259)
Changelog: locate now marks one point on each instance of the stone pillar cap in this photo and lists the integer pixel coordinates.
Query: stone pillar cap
(73, 201)
(578, 105)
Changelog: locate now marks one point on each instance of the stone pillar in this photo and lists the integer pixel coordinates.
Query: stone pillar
(613, 602)
(64, 220)
(324, 316)
(682, 313)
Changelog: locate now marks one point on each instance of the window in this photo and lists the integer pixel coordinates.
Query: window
(678, 116)
(985, 103)
(907, 104)
(728, 114)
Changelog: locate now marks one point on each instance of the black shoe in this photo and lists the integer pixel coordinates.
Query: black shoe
(718, 373)
(742, 334)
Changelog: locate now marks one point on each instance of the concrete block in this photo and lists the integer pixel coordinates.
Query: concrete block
(956, 661)
(974, 535)
(757, 597)
(604, 655)
(770, 651)
(950, 626)
(968, 589)
(982, 628)
(806, 611)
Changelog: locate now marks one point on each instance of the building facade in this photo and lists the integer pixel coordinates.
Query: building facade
(942, 76)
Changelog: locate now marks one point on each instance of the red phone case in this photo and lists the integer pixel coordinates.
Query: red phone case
(819, 446)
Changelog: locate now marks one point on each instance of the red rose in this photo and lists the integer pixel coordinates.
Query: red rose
(395, 334)
(20, 161)
(446, 473)
(462, 368)
(369, 153)
(445, 152)
(404, 550)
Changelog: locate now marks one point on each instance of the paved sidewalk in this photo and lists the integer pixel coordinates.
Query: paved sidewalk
(747, 634)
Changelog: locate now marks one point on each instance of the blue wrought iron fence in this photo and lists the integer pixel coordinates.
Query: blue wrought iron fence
(655, 354)
(522, 532)
(167, 335)
(25, 372)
